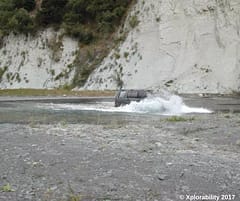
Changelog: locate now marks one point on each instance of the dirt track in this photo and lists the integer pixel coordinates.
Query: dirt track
(144, 159)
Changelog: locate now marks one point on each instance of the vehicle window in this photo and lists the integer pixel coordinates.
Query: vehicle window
(142, 94)
(132, 94)
(122, 94)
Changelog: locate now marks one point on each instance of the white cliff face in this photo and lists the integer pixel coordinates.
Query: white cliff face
(41, 61)
(188, 46)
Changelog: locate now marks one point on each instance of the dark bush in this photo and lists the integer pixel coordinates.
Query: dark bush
(96, 16)
(6, 5)
(72, 18)
(28, 5)
(52, 12)
(77, 31)
(13, 19)
(105, 14)
(21, 22)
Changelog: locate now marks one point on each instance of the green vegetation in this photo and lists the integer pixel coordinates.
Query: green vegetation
(179, 119)
(15, 17)
(28, 5)
(7, 188)
(74, 197)
(126, 54)
(81, 19)
(92, 23)
(2, 72)
(89, 17)
(118, 79)
(53, 92)
(51, 12)
(55, 44)
(86, 60)
(133, 21)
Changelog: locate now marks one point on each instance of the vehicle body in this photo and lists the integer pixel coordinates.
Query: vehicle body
(124, 97)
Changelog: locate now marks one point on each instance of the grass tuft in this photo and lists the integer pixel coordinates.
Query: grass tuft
(179, 119)
(7, 188)
(74, 197)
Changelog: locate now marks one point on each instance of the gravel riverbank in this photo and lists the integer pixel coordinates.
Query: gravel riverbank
(160, 158)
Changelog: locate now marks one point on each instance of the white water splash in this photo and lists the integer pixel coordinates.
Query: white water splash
(157, 105)
(152, 105)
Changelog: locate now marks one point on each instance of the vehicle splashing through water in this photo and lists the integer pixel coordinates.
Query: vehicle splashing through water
(173, 105)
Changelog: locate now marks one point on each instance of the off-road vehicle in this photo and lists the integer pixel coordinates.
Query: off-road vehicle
(124, 97)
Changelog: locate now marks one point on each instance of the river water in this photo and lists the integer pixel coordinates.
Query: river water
(54, 148)
(101, 111)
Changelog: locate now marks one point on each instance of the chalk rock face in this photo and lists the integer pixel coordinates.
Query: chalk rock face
(188, 46)
(41, 61)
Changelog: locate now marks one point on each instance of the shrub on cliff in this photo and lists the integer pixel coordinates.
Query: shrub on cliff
(103, 14)
(85, 20)
(28, 5)
(21, 22)
(13, 19)
(79, 32)
(81, 19)
(51, 12)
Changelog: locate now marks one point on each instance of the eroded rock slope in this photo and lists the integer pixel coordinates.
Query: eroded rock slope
(188, 46)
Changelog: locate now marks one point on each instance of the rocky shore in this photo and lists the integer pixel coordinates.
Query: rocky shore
(158, 158)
